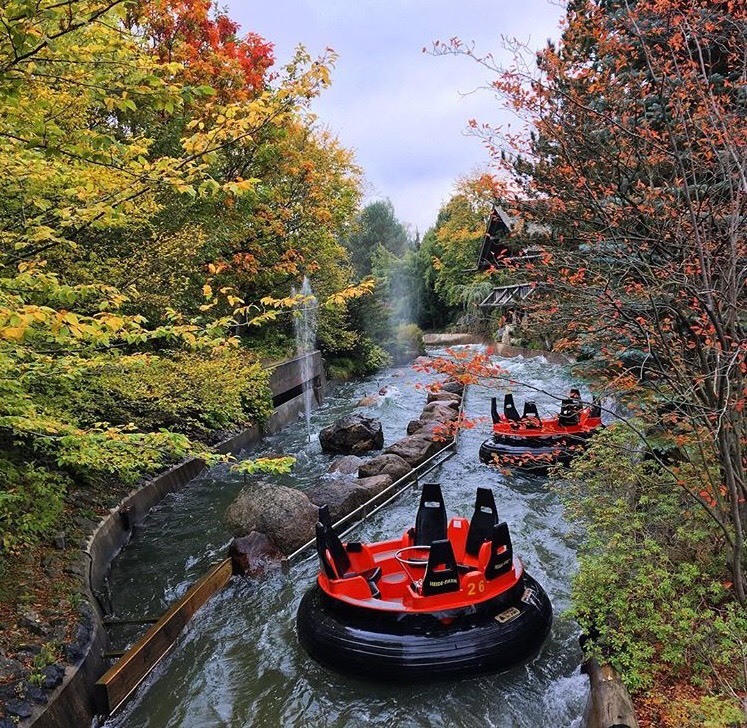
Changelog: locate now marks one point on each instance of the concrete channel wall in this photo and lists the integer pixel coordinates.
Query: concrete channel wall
(74, 703)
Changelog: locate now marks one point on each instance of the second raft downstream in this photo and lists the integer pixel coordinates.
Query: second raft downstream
(240, 663)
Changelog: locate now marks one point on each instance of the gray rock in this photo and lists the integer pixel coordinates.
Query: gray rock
(426, 429)
(341, 497)
(60, 540)
(452, 386)
(74, 652)
(35, 693)
(438, 412)
(440, 405)
(352, 435)
(20, 708)
(442, 396)
(374, 485)
(387, 464)
(254, 555)
(53, 675)
(347, 465)
(415, 449)
(284, 514)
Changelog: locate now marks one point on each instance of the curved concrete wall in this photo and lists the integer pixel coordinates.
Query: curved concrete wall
(73, 702)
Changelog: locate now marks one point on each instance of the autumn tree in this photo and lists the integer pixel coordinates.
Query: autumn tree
(634, 151)
(206, 44)
(92, 192)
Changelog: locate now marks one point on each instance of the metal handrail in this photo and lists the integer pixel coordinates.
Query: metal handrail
(407, 481)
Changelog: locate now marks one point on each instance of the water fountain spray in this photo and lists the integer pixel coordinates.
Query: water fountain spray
(304, 323)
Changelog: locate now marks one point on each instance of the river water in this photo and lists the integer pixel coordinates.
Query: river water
(239, 663)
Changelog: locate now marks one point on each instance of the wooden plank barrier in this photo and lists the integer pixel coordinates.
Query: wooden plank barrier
(136, 664)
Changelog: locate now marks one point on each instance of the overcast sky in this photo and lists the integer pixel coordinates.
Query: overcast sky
(402, 111)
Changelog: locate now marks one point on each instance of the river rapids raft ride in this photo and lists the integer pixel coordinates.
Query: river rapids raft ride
(532, 443)
(440, 602)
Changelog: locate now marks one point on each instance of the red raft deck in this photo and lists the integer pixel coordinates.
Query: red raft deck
(442, 601)
(534, 444)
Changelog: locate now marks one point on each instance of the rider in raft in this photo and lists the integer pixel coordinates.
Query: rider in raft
(532, 443)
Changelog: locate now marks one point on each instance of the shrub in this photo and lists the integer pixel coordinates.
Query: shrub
(190, 393)
(651, 589)
(31, 501)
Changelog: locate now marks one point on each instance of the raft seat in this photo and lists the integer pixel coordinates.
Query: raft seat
(430, 520)
(441, 575)
(335, 559)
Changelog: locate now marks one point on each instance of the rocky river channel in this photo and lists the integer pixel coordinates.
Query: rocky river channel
(240, 664)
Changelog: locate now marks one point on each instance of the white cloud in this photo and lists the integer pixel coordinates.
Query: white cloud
(403, 111)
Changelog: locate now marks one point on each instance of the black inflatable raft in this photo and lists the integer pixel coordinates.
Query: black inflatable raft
(440, 602)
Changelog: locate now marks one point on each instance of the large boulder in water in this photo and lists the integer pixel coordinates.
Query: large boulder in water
(254, 555)
(340, 496)
(438, 412)
(284, 514)
(352, 435)
(453, 386)
(347, 465)
(446, 397)
(343, 497)
(374, 485)
(386, 464)
(433, 430)
(415, 449)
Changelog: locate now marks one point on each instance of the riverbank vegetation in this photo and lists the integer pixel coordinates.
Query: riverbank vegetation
(634, 156)
(164, 190)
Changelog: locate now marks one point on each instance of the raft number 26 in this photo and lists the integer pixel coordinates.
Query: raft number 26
(476, 587)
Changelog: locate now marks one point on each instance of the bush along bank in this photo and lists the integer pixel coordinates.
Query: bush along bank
(653, 592)
(158, 411)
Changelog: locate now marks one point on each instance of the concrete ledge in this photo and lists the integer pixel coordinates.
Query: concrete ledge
(73, 703)
(455, 339)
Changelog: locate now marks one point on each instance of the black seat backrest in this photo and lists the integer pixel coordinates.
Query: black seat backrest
(483, 520)
(568, 413)
(509, 408)
(430, 522)
(596, 408)
(500, 561)
(494, 410)
(530, 409)
(321, 551)
(441, 574)
(324, 517)
(331, 543)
